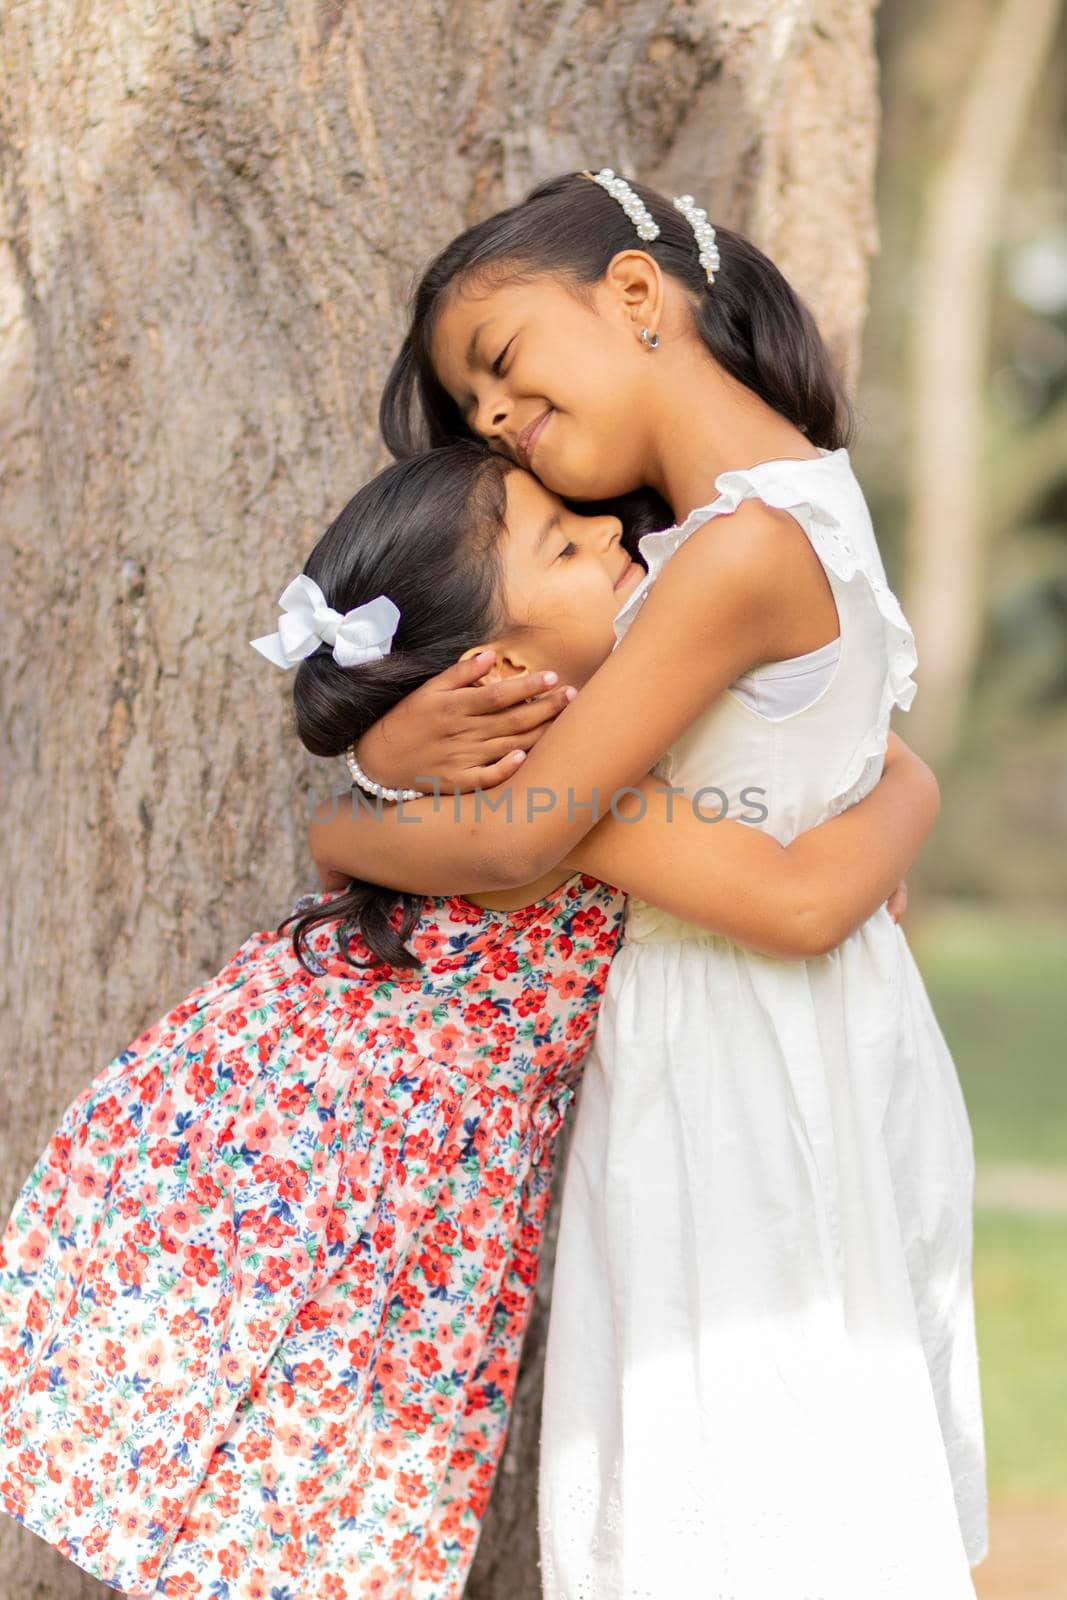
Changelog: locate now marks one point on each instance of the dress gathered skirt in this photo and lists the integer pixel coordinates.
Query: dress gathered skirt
(262, 1297)
(762, 1374)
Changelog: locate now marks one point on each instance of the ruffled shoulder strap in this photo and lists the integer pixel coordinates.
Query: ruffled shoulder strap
(824, 497)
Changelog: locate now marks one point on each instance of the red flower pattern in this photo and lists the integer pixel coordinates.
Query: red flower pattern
(263, 1296)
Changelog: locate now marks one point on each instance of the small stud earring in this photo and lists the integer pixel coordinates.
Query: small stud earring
(650, 341)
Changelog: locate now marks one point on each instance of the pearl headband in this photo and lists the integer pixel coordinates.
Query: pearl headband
(631, 203)
(648, 229)
(703, 232)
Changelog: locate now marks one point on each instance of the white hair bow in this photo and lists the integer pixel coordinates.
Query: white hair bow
(364, 634)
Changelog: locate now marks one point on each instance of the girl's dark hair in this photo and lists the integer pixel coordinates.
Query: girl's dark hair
(425, 532)
(754, 325)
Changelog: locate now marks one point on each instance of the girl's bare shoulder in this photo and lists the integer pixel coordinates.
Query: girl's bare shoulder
(753, 570)
(748, 555)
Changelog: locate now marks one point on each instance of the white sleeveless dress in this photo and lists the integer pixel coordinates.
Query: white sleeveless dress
(762, 1379)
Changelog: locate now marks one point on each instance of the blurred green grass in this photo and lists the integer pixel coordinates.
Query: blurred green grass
(998, 984)
(1020, 1287)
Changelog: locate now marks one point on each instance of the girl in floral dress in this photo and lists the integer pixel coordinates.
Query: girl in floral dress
(263, 1294)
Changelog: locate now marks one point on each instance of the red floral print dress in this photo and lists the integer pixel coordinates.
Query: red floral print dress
(263, 1295)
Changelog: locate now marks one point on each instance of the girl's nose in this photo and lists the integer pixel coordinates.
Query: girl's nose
(492, 416)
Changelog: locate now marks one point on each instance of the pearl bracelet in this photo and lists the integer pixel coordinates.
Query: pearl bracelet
(360, 777)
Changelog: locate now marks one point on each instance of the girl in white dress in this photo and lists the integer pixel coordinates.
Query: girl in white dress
(762, 1378)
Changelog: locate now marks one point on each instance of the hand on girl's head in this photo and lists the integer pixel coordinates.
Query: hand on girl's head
(563, 579)
(464, 733)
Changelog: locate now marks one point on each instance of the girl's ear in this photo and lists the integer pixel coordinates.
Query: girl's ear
(507, 664)
(635, 283)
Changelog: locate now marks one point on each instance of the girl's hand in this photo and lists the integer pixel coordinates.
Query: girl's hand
(897, 903)
(463, 734)
(895, 748)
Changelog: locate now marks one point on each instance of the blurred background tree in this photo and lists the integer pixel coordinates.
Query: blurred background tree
(964, 424)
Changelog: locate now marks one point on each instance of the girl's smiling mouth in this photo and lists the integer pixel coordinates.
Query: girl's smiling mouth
(628, 572)
(525, 443)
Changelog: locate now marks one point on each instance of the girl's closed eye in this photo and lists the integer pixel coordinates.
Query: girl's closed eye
(569, 549)
(497, 364)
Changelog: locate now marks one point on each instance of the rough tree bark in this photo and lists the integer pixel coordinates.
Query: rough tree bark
(212, 214)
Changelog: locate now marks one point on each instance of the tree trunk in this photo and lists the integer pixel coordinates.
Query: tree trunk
(211, 217)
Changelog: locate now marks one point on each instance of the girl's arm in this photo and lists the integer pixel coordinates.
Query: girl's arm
(797, 900)
(709, 617)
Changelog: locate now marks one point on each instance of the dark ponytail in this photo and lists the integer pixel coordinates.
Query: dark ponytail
(424, 532)
(753, 323)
